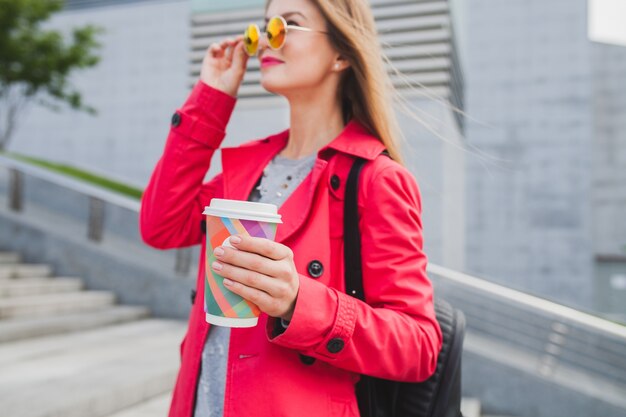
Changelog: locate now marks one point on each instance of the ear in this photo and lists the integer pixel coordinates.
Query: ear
(340, 64)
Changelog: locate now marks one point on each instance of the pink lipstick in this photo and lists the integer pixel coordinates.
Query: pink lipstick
(269, 61)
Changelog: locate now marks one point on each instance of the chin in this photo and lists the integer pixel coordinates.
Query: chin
(285, 87)
(274, 86)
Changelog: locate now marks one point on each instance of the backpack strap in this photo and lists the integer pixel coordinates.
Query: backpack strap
(352, 235)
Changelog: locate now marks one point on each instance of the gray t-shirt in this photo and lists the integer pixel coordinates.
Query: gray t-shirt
(280, 178)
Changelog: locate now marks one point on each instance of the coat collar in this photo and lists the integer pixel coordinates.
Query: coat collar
(354, 140)
(243, 165)
(357, 141)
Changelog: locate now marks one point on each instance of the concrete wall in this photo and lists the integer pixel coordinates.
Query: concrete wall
(609, 178)
(435, 153)
(609, 84)
(529, 98)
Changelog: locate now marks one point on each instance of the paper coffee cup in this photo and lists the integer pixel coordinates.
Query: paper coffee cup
(225, 218)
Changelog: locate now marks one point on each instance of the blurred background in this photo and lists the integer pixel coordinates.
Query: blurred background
(520, 156)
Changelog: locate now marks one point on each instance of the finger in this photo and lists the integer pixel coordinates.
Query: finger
(236, 40)
(240, 57)
(227, 42)
(246, 277)
(260, 298)
(251, 261)
(261, 246)
(229, 51)
(215, 50)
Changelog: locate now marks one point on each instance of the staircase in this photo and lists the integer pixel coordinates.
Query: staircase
(66, 351)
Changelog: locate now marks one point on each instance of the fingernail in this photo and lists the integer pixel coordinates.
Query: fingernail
(218, 251)
(216, 266)
(235, 239)
(227, 282)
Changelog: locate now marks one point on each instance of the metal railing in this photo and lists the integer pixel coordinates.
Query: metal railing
(556, 336)
(82, 202)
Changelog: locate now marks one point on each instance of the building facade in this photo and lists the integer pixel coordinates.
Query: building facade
(609, 177)
(546, 208)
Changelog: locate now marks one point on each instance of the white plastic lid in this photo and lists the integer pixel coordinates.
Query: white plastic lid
(244, 210)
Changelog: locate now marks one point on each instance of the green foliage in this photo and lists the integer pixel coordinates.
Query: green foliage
(33, 59)
(80, 174)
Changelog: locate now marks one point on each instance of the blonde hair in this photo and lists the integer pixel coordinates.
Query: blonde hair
(366, 91)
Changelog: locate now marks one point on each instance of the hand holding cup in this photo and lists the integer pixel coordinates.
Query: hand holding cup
(261, 271)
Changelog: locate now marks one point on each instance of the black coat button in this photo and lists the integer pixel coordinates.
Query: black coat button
(335, 182)
(307, 360)
(176, 119)
(193, 296)
(335, 345)
(203, 226)
(316, 269)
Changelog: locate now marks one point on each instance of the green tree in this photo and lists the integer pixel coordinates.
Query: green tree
(35, 63)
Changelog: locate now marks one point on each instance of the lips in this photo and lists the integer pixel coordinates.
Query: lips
(270, 61)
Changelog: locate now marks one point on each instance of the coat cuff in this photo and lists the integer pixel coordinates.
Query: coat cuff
(205, 115)
(322, 324)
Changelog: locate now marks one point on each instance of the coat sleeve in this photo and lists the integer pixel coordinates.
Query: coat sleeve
(173, 201)
(395, 335)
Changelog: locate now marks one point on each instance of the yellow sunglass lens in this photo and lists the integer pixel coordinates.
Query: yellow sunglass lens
(251, 39)
(275, 32)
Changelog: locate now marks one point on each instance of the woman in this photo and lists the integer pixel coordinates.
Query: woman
(313, 340)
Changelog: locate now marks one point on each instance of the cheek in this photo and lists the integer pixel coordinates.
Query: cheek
(307, 71)
(307, 63)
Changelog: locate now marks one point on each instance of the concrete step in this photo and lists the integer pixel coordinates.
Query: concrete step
(470, 407)
(35, 286)
(54, 304)
(157, 406)
(9, 258)
(90, 374)
(17, 270)
(24, 328)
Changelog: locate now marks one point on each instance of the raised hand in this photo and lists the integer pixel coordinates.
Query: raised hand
(224, 65)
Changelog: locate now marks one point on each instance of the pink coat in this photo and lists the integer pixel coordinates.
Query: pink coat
(395, 335)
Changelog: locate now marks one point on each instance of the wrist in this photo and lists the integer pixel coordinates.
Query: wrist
(220, 88)
(289, 314)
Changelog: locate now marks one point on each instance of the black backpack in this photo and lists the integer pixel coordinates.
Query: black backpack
(438, 396)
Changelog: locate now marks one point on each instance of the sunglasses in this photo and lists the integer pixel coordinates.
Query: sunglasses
(275, 30)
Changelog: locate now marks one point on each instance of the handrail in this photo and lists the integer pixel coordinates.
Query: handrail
(72, 184)
(531, 301)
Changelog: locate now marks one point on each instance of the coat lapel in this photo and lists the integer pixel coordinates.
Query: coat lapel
(297, 207)
(243, 165)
